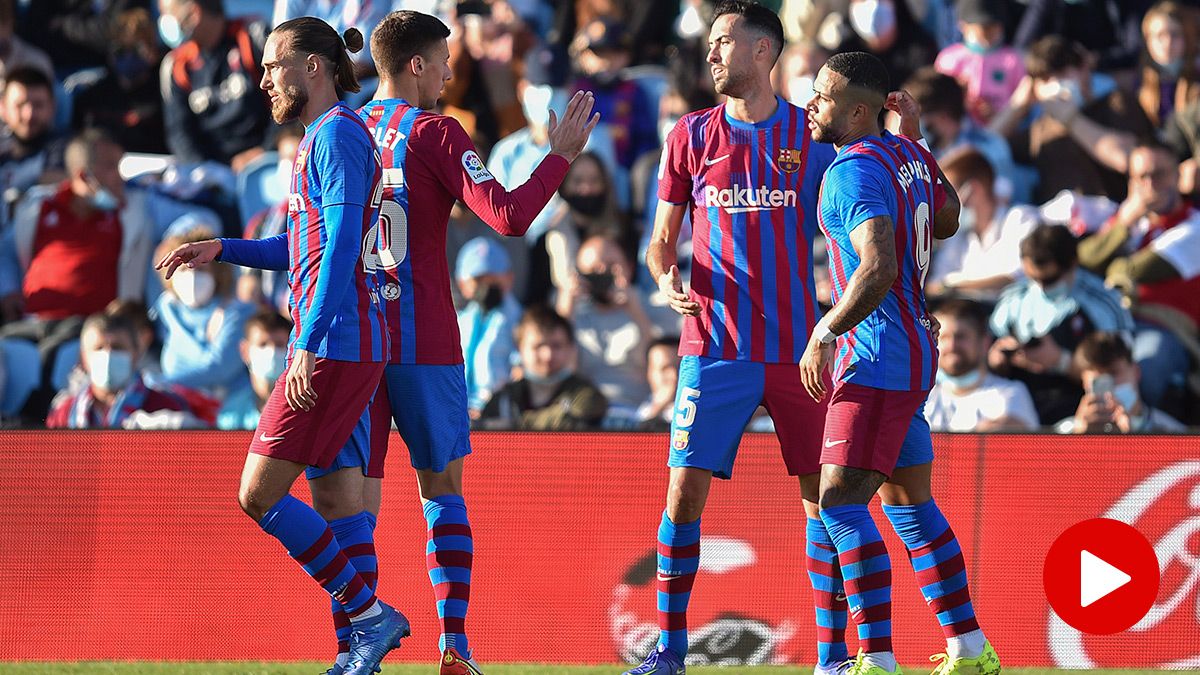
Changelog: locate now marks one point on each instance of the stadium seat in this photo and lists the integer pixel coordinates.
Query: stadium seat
(258, 186)
(65, 360)
(23, 368)
(261, 9)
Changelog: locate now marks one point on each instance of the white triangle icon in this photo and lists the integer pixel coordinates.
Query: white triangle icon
(1097, 578)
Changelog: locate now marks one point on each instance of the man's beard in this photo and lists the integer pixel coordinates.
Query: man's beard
(824, 133)
(288, 104)
(734, 85)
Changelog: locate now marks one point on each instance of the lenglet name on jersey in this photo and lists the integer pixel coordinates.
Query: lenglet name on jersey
(739, 199)
(913, 171)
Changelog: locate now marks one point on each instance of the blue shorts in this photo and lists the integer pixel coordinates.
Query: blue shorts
(429, 406)
(715, 399)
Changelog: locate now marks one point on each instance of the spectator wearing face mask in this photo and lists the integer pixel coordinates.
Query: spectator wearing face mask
(486, 322)
(966, 397)
(985, 255)
(1150, 249)
(988, 69)
(610, 321)
(264, 351)
(947, 127)
(74, 248)
(200, 323)
(1080, 142)
(550, 395)
(31, 152)
(15, 52)
(127, 101)
(212, 106)
(1111, 403)
(887, 29)
(1040, 320)
(115, 396)
(585, 207)
(1170, 70)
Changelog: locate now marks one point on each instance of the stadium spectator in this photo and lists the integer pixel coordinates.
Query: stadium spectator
(115, 396)
(31, 152)
(1080, 142)
(487, 320)
(264, 351)
(662, 374)
(549, 396)
(74, 248)
(1107, 28)
(270, 287)
(988, 69)
(793, 75)
(585, 207)
(1151, 250)
(127, 100)
(1170, 71)
(487, 49)
(137, 314)
(74, 33)
(15, 52)
(602, 51)
(341, 15)
(1111, 403)
(967, 398)
(1040, 320)
(212, 106)
(946, 126)
(200, 323)
(888, 29)
(985, 255)
(610, 321)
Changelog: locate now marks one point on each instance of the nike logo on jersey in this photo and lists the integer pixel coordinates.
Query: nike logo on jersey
(832, 444)
(710, 162)
(268, 439)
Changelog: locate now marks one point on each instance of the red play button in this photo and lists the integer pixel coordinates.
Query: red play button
(1101, 576)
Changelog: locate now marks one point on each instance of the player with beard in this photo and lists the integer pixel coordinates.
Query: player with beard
(748, 174)
(429, 163)
(882, 203)
(339, 342)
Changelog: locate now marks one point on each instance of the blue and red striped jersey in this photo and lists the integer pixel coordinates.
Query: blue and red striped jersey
(888, 175)
(429, 163)
(753, 193)
(335, 302)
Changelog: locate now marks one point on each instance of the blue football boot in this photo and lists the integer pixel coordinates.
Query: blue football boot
(660, 662)
(369, 644)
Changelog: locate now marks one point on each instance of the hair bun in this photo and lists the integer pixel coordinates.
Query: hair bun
(353, 39)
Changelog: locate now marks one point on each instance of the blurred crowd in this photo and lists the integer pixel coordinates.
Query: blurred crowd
(1068, 302)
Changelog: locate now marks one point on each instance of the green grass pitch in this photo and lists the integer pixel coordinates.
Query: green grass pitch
(106, 668)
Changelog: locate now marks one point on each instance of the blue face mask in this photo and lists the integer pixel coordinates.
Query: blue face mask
(110, 370)
(968, 380)
(1126, 395)
(104, 200)
(978, 47)
(171, 31)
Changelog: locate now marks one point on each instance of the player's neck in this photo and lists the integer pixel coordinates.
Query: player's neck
(757, 106)
(397, 89)
(318, 104)
(856, 135)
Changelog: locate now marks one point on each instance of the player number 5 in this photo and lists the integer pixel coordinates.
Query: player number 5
(386, 243)
(685, 410)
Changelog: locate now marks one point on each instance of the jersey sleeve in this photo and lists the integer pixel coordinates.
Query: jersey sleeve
(857, 191)
(344, 163)
(674, 178)
(457, 164)
(264, 254)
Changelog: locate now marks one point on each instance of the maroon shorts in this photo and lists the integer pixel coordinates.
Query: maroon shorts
(797, 417)
(867, 427)
(314, 437)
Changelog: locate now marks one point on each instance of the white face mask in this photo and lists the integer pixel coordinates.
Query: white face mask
(284, 173)
(872, 19)
(665, 126)
(268, 363)
(535, 102)
(968, 380)
(110, 370)
(193, 288)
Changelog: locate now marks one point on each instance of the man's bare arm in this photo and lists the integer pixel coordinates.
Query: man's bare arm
(660, 254)
(875, 243)
(945, 221)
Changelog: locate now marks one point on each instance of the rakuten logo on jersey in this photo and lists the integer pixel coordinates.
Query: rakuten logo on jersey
(743, 199)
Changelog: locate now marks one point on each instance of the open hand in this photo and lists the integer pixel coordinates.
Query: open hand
(568, 136)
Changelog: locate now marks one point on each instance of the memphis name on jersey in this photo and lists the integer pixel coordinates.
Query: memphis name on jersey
(887, 175)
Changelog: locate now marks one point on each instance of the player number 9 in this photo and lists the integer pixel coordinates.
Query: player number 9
(924, 240)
